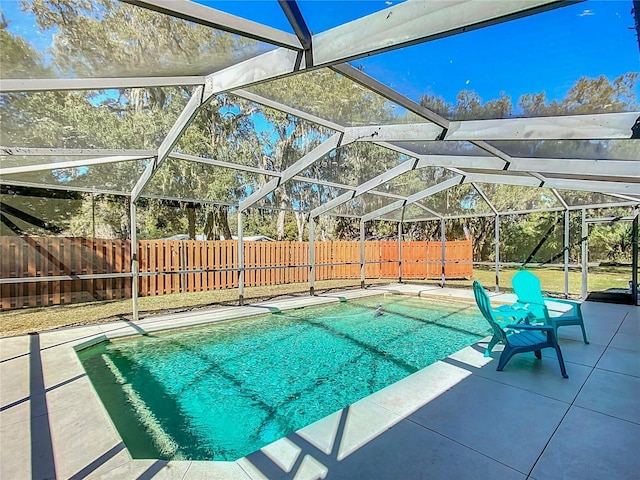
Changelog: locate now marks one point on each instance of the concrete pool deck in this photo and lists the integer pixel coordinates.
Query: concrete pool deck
(456, 419)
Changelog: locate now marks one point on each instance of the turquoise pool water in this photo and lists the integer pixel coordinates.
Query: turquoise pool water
(223, 391)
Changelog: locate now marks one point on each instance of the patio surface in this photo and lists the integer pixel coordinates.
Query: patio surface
(456, 419)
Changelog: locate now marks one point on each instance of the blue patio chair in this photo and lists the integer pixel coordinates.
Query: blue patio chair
(516, 337)
(527, 287)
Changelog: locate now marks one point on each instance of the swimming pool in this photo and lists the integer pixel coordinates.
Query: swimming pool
(223, 391)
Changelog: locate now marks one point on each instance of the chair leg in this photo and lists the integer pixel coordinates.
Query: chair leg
(563, 370)
(494, 341)
(584, 334)
(538, 354)
(506, 355)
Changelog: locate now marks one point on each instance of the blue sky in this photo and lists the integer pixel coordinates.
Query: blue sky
(547, 52)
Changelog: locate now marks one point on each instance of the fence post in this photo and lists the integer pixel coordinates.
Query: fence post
(634, 260)
(585, 252)
(443, 239)
(497, 237)
(362, 256)
(400, 249)
(134, 261)
(240, 261)
(312, 255)
(566, 253)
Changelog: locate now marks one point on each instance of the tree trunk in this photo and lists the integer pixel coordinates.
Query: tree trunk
(223, 221)
(191, 219)
(280, 225)
(301, 219)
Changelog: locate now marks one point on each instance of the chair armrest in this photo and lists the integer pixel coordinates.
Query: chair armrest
(519, 326)
(576, 306)
(515, 312)
(561, 300)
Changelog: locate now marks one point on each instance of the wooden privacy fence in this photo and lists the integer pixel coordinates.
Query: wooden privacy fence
(62, 256)
(194, 266)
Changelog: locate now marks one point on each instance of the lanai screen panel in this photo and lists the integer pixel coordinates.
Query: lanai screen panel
(41, 213)
(198, 181)
(119, 177)
(260, 11)
(459, 200)
(300, 196)
(416, 180)
(510, 198)
(108, 38)
(512, 69)
(412, 213)
(331, 96)
(575, 198)
(233, 130)
(321, 16)
(354, 163)
(361, 205)
(132, 118)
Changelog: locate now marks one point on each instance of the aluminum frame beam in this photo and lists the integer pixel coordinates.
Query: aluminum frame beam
(410, 23)
(569, 127)
(569, 166)
(414, 198)
(73, 152)
(622, 188)
(61, 84)
(293, 14)
(325, 147)
(608, 188)
(522, 181)
(603, 126)
(71, 164)
(203, 15)
(66, 188)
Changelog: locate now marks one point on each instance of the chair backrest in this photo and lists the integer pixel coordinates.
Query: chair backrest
(484, 304)
(527, 288)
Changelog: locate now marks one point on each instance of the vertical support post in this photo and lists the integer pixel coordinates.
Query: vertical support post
(566, 254)
(93, 215)
(585, 253)
(134, 261)
(443, 239)
(497, 254)
(362, 256)
(634, 259)
(312, 256)
(240, 261)
(400, 251)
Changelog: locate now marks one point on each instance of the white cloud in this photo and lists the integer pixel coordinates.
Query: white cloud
(586, 13)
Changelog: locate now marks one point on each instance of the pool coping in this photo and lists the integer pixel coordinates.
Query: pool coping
(80, 439)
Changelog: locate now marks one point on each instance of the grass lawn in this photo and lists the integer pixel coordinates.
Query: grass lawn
(552, 279)
(38, 319)
(19, 322)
